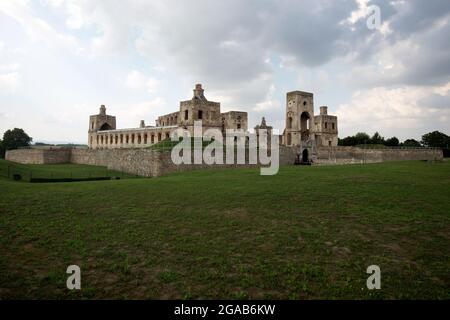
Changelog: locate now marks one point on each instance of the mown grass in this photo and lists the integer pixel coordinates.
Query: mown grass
(306, 233)
(55, 171)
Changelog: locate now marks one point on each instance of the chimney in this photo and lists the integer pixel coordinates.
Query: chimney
(323, 110)
(142, 125)
(102, 110)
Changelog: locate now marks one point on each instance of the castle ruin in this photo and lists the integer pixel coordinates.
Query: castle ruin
(304, 129)
(307, 138)
(103, 133)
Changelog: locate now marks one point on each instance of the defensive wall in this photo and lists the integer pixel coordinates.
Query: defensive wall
(154, 163)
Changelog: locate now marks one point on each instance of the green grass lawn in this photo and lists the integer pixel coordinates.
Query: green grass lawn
(27, 171)
(306, 233)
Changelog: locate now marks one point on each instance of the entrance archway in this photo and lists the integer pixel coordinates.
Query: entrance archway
(305, 156)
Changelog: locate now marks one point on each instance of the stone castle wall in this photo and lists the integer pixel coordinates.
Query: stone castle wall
(39, 155)
(154, 163)
(348, 155)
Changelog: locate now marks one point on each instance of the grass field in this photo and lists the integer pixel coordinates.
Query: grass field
(308, 232)
(27, 171)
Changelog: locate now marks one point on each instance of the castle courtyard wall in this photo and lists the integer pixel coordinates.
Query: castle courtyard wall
(154, 163)
(349, 155)
(39, 155)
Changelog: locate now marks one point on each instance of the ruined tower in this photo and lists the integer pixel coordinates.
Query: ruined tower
(326, 130)
(199, 108)
(299, 118)
(100, 122)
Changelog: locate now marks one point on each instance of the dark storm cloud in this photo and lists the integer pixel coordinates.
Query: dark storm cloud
(228, 44)
(417, 15)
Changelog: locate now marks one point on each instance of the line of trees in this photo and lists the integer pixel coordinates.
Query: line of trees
(433, 139)
(14, 139)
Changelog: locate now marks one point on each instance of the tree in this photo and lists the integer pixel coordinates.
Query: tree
(392, 142)
(362, 138)
(377, 139)
(2, 150)
(436, 139)
(359, 138)
(16, 138)
(411, 143)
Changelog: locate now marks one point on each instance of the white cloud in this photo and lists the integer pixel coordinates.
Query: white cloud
(129, 115)
(9, 82)
(137, 80)
(37, 29)
(391, 112)
(269, 103)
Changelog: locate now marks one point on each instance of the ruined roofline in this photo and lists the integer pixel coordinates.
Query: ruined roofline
(170, 114)
(185, 102)
(103, 115)
(233, 111)
(304, 93)
(137, 129)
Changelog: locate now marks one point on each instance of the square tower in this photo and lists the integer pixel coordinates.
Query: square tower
(299, 118)
(100, 122)
(199, 108)
(326, 130)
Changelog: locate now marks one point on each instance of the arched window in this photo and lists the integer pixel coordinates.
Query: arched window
(186, 114)
(304, 121)
(290, 123)
(289, 142)
(139, 139)
(153, 138)
(105, 126)
(132, 138)
(121, 138)
(117, 138)
(200, 114)
(159, 137)
(145, 138)
(167, 135)
(127, 138)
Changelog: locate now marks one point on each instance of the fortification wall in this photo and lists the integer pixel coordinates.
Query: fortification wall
(39, 156)
(348, 155)
(154, 163)
(142, 162)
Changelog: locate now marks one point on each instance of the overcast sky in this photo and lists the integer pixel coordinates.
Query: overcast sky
(61, 59)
